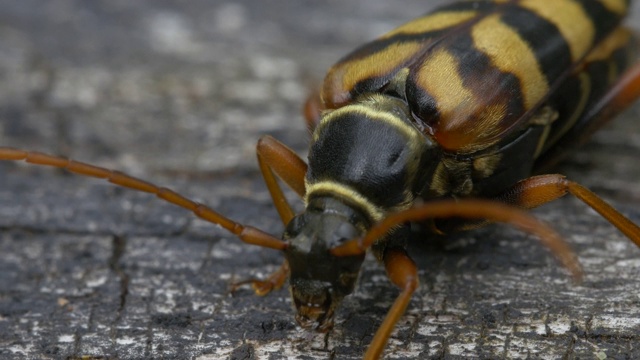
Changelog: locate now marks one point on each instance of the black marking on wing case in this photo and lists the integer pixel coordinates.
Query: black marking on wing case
(544, 38)
(603, 20)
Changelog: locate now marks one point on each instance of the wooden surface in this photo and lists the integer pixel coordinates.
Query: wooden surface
(179, 94)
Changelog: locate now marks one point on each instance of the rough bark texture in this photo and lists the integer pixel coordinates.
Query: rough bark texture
(179, 93)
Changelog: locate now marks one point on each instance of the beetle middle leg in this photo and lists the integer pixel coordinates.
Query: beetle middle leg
(541, 189)
(538, 190)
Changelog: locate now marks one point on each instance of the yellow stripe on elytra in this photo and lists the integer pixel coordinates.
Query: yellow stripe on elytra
(511, 54)
(570, 18)
(361, 108)
(347, 193)
(616, 6)
(438, 21)
(439, 76)
(374, 65)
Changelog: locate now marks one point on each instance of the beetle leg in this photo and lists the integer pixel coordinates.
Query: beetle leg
(273, 156)
(248, 234)
(272, 282)
(403, 272)
(538, 190)
(312, 110)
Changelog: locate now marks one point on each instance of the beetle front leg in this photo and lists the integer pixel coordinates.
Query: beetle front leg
(275, 157)
(402, 271)
(263, 287)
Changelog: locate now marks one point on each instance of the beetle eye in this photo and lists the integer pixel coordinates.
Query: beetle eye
(294, 226)
(344, 232)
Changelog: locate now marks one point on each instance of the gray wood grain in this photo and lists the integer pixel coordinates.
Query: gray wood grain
(179, 93)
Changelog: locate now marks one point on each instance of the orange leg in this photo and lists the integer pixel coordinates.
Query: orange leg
(275, 157)
(403, 273)
(313, 107)
(272, 282)
(538, 190)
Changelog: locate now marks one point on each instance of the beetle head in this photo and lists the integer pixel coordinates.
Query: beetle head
(319, 280)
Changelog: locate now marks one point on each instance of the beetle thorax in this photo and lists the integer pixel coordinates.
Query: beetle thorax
(370, 155)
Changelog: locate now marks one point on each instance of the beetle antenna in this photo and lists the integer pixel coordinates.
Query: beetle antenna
(475, 209)
(248, 234)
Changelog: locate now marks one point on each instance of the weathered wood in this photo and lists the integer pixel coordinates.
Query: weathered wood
(180, 95)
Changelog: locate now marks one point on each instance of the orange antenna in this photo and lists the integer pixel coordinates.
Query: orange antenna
(475, 209)
(248, 234)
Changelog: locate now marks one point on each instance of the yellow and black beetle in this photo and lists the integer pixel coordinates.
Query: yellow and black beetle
(466, 102)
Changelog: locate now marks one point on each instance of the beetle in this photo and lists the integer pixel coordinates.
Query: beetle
(426, 155)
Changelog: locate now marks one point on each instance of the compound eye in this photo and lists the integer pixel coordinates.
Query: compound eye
(294, 226)
(344, 232)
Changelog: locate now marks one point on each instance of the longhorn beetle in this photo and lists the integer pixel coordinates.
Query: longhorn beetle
(450, 121)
